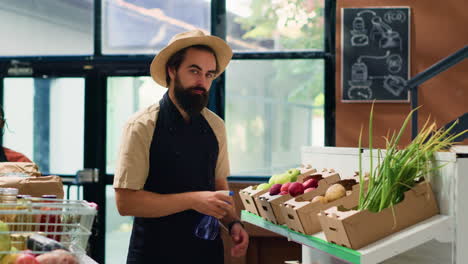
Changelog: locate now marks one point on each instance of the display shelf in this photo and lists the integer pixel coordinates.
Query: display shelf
(436, 227)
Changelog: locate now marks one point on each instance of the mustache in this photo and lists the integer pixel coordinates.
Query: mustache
(198, 88)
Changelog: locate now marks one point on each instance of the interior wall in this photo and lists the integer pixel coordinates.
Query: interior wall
(437, 31)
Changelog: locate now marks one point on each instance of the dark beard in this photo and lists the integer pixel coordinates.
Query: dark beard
(190, 102)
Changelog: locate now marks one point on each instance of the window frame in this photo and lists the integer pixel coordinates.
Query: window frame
(95, 69)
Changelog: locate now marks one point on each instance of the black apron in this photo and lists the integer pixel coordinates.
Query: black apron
(182, 159)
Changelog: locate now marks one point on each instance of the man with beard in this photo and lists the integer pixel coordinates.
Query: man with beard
(173, 160)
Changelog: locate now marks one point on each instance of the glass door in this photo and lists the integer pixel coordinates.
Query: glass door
(125, 96)
(44, 121)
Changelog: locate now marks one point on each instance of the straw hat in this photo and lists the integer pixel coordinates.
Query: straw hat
(186, 39)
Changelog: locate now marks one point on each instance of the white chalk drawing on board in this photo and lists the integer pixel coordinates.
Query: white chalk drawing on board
(359, 36)
(358, 92)
(394, 84)
(394, 15)
(384, 34)
(380, 31)
(360, 81)
(394, 63)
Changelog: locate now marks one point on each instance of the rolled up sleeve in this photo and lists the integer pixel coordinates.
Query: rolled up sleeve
(217, 124)
(133, 160)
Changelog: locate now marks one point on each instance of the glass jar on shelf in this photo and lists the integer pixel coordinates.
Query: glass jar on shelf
(24, 219)
(8, 203)
(50, 218)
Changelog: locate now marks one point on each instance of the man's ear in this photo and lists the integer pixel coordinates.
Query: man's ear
(172, 73)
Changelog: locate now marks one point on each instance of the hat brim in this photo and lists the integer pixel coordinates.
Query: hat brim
(158, 65)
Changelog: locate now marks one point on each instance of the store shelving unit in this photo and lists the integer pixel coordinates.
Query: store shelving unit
(436, 227)
(445, 228)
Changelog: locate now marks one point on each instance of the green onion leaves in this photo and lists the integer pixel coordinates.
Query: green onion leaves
(398, 170)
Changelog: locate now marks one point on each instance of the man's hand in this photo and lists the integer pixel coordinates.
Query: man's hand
(212, 203)
(240, 238)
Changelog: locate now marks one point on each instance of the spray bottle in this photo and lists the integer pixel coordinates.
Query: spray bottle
(208, 227)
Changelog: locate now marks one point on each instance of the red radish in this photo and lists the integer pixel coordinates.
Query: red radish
(295, 189)
(284, 192)
(309, 189)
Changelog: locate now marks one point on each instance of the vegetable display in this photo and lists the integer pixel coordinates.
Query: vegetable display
(398, 170)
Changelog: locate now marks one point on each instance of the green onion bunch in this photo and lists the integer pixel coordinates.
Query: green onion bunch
(398, 170)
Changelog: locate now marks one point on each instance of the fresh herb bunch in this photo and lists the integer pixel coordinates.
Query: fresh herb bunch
(399, 169)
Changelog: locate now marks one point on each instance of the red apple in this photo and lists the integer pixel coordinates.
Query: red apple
(285, 187)
(275, 189)
(309, 189)
(318, 177)
(311, 183)
(284, 192)
(26, 258)
(295, 189)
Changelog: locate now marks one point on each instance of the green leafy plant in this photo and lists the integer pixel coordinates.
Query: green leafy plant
(398, 170)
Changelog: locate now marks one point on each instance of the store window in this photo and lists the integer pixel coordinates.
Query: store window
(118, 230)
(45, 121)
(274, 99)
(273, 108)
(275, 25)
(46, 27)
(126, 96)
(145, 27)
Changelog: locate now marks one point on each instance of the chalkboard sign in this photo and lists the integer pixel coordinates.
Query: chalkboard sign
(375, 54)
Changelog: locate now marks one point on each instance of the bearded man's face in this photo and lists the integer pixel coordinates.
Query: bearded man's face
(192, 99)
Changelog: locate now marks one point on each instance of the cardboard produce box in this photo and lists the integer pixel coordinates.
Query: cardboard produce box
(248, 195)
(356, 229)
(269, 206)
(306, 170)
(300, 213)
(19, 169)
(35, 186)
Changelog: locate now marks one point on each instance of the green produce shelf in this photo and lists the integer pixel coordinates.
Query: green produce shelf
(317, 241)
(437, 227)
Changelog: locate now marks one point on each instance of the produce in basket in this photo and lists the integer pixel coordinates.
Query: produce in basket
(311, 183)
(348, 183)
(41, 243)
(263, 186)
(58, 256)
(9, 258)
(285, 187)
(275, 189)
(51, 218)
(288, 176)
(317, 176)
(5, 243)
(26, 258)
(335, 192)
(295, 189)
(320, 198)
